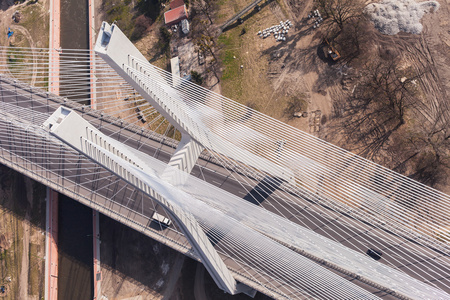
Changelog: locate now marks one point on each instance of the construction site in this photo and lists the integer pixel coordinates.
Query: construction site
(301, 62)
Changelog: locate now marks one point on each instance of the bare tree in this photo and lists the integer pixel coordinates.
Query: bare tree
(423, 153)
(354, 37)
(205, 42)
(379, 104)
(206, 7)
(340, 11)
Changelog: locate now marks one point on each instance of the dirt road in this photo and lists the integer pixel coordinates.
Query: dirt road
(25, 265)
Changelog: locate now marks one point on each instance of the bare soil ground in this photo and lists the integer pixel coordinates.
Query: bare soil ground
(22, 236)
(267, 75)
(33, 27)
(132, 264)
(427, 53)
(148, 47)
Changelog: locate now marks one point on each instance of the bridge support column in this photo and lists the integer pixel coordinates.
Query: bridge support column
(183, 159)
(186, 154)
(76, 132)
(117, 53)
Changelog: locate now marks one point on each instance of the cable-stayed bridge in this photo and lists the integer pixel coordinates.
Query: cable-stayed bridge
(262, 205)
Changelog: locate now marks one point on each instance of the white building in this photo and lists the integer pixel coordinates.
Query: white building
(185, 26)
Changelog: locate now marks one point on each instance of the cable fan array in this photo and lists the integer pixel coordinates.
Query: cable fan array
(344, 202)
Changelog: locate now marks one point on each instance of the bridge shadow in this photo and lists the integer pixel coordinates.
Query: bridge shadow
(212, 292)
(16, 189)
(257, 195)
(130, 256)
(263, 190)
(22, 213)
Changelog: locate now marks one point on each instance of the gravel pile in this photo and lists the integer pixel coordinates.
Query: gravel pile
(393, 16)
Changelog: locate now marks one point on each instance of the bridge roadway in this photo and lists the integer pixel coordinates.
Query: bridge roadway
(359, 237)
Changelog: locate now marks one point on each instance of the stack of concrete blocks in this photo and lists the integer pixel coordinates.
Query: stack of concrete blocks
(316, 16)
(279, 31)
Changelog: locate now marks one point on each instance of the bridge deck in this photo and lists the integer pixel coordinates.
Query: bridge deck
(115, 199)
(60, 170)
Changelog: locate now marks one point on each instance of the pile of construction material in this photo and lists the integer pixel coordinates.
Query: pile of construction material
(392, 16)
(279, 31)
(315, 15)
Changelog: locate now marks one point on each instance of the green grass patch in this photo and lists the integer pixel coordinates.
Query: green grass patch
(17, 61)
(245, 62)
(129, 15)
(35, 18)
(150, 8)
(161, 61)
(15, 58)
(232, 74)
(3, 254)
(122, 13)
(161, 50)
(41, 73)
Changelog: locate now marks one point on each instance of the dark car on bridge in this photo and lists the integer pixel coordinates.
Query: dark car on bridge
(374, 253)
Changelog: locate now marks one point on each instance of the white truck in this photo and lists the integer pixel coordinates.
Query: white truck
(161, 219)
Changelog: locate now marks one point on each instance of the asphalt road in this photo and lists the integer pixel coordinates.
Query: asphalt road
(416, 260)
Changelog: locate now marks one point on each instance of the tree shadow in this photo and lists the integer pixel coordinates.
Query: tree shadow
(162, 47)
(6, 4)
(294, 58)
(246, 17)
(150, 8)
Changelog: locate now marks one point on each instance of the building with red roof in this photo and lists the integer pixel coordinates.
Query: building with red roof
(175, 15)
(176, 3)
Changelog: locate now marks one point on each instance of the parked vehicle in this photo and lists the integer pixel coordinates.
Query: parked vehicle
(330, 51)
